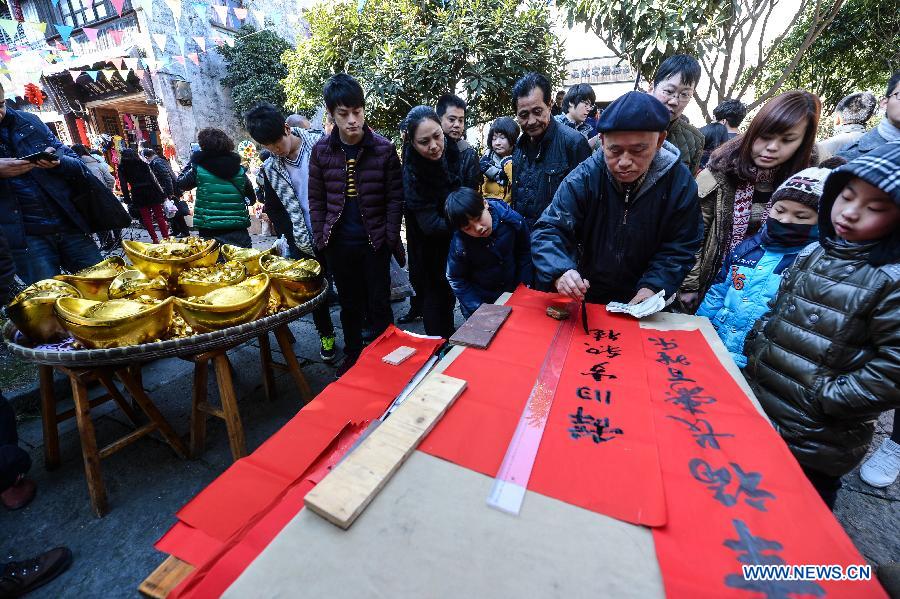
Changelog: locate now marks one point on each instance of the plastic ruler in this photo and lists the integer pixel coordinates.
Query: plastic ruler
(511, 481)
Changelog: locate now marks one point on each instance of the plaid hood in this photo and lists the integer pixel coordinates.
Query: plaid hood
(881, 168)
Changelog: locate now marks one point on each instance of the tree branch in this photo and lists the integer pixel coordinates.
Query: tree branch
(817, 25)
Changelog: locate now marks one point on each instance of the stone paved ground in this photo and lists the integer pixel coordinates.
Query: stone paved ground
(147, 483)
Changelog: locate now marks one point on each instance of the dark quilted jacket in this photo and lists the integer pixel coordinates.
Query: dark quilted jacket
(689, 140)
(825, 362)
(379, 181)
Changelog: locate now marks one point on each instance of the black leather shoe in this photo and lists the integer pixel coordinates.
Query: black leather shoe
(411, 316)
(18, 578)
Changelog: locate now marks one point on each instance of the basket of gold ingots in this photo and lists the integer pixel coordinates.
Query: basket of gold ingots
(178, 297)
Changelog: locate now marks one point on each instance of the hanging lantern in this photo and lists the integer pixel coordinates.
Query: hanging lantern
(34, 95)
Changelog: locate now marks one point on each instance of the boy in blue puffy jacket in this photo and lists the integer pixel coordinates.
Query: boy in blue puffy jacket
(490, 252)
(752, 271)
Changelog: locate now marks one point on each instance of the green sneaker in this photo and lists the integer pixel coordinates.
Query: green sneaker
(326, 349)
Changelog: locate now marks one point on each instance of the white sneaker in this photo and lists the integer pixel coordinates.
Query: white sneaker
(882, 468)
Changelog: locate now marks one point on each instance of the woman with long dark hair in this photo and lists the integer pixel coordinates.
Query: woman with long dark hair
(140, 187)
(432, 168)
(742, 175)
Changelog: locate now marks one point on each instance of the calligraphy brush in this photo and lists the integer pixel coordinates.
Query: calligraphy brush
(584, 320)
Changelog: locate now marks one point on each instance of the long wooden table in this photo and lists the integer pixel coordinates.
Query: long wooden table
(414, 527)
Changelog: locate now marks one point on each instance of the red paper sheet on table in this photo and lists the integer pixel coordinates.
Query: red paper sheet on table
(598, 449)
(735, 495)
(217, 573)
(254, 485)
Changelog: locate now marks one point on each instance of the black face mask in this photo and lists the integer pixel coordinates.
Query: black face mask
(790, 234)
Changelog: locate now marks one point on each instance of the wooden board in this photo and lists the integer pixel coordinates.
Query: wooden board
(480, 328)
(399, 355)
(346, 491)
(166, 577)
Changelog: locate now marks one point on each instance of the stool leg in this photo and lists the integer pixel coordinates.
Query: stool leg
(106, 380)
(96, 488)
(282, 335)
(152, 412)
(48, 419)
(198, 400)
(229, 406)
(265, 362)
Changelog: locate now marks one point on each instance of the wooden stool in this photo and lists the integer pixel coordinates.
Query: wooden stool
(201, 408)
(79, 378)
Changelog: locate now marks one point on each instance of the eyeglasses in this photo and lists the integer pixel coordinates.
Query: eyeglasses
(683, 97)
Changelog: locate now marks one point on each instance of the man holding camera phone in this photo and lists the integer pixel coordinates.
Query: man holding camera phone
(39, 177)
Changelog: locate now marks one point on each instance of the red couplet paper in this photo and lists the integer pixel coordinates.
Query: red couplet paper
(734, 493)
(599, 445)
(212, 529)
(598, 449)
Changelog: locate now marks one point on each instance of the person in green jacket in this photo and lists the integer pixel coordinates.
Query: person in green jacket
(223, 189)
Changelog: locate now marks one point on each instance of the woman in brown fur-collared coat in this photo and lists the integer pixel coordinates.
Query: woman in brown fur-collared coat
(741, 177)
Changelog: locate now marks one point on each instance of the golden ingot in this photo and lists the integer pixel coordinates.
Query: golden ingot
(132, 284)
(249, 257)
(227, 306)
(293, 281)
(32, 310)
(93, 282)
(195, 282)
(115, 323)
(170, 257)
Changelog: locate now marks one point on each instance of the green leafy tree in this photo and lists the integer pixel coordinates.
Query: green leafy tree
(858, 51)
(726, 36)
(254, 68)
(407, 52)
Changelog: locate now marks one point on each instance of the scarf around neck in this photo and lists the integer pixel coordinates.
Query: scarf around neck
(743, 203)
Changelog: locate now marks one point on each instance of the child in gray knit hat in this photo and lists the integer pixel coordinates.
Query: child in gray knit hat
(752, 271)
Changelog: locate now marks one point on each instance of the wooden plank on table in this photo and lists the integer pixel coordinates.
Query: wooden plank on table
(399, 355)
(346, 491)
(166, 577)
(480, 328)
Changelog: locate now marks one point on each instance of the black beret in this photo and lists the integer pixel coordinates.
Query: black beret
(634, 111)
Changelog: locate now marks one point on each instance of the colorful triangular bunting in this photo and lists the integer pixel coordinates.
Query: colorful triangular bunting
(222, 13)
(160, 39)
(117, 4)
(10, 27)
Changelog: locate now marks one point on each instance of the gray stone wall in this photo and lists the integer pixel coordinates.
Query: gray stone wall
(211, 104)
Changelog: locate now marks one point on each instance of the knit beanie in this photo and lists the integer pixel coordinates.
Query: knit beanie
(805, 187)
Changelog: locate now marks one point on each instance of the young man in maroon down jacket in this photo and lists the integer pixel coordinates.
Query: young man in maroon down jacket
(355, 206)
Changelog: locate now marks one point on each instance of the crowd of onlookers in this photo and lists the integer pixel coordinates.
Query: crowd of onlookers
(791, 247)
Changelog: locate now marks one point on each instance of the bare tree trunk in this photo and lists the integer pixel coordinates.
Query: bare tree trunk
(749, 23)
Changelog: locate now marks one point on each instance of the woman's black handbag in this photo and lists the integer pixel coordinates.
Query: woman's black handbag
(99, 206)
(183, 208)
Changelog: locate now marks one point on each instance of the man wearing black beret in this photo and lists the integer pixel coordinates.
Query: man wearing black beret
(624, 224)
